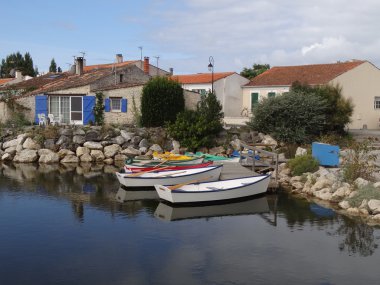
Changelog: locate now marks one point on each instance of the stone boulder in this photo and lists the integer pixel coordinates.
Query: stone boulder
(64, 152)
(79, 132)
(50, 144)
(7, 157)
(374, 206)
(79, 139)
(111, 150)
(127, 135)
(26, 156)
(144, 143)
(93, 145)
(63, 140)
(11, 150)
(31, 144)
(71, 158)
(217, 150)
(47, 156)
(120, 157)
(97, 155)
(156, 147)
(118, 140)
(360, 182)
(301, 151)
(130, 151)
(93, 135)
(86, 157)
(67, 132)
(82, 150)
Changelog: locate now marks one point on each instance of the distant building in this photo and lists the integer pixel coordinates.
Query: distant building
(360, 81)
(227, 88)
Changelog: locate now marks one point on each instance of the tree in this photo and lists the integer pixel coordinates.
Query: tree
(162, 99)
(53, 66)
(339, 109)
(198, 128)
(293, 117)
(99, 109)
(16, 61)
(256, 69)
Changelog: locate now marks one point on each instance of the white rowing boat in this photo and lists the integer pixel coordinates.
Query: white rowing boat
(214, 191)
(170, 177)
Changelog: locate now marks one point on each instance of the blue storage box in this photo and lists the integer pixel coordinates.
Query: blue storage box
(328, 155)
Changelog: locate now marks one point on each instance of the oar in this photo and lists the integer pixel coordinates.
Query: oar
(147, 171)
(188, 182)
(165, 160)
(168, 174)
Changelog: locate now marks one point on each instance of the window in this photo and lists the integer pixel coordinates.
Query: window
(376, 103)
(115, 104)
(254, 99)
(121, 78)
(200, 91)
(271, 94)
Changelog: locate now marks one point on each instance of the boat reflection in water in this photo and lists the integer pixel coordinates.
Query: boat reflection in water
(124, 195)
(247, 207)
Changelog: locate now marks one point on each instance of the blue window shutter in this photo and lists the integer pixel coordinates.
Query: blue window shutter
(41, 106)
(88, 109)
(107, 105)
(124, 105)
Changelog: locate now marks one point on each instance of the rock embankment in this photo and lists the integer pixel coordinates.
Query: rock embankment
(95, 144)
(327, 184)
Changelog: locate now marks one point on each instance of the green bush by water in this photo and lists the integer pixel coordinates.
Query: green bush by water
(302, 164)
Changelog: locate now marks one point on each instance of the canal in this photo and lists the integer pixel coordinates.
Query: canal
(75, 225)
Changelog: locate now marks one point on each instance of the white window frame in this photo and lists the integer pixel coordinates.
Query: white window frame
(376, 103)
(112, 100)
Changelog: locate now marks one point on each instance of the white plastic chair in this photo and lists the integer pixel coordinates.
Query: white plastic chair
(54, 120)
(41, 119)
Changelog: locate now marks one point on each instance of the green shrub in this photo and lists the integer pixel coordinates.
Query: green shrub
(364, 193)
(302, 164)
(194, 129)
(162, 99)
(293, 117)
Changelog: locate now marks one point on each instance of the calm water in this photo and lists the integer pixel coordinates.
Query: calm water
(68, 226)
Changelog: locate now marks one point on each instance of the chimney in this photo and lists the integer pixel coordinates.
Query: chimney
(79, 66)
(18, 74)
(146, 65)
(119, 58)
(171, 70)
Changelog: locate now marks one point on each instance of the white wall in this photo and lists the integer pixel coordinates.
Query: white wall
(362, 85)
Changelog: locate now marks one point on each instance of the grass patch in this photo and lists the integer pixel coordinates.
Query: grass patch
(364, 193)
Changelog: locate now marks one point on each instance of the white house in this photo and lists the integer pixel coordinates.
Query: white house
(227, 88)
(360, 81)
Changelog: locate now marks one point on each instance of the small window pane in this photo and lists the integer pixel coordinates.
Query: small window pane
(115, 104)
(76, 116)
(376, 104)
(76, 103)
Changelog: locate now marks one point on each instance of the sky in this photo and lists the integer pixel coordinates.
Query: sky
(183, 34)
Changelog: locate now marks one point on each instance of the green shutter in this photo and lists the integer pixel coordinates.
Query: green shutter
(271, 94)
(254, 99)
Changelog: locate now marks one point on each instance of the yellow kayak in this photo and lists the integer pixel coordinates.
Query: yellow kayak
(170, 156)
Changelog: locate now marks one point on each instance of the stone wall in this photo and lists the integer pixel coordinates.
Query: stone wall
(28, 102)
(191, 99)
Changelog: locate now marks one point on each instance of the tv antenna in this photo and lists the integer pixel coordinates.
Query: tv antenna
(157, 58)
(83, 53)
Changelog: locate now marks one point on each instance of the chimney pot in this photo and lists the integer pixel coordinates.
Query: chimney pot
(171, 71)
(146, 65)
(79, 66)
(119, 58)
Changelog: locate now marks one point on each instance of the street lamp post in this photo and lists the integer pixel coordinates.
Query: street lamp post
(211, 68)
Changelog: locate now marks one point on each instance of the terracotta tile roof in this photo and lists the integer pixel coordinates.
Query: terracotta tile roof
(108, 65)
(72, 81)
(5, 80)
(315, 74)
(118, 86)
(37, 82)
(200, 77)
